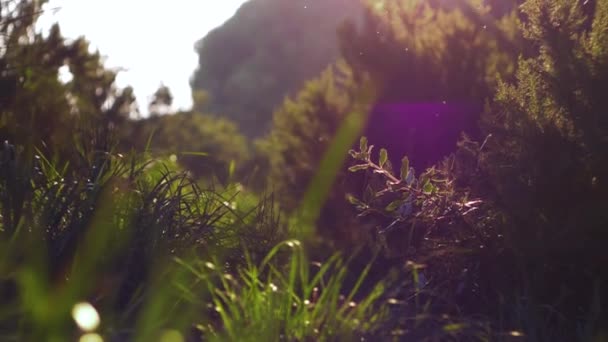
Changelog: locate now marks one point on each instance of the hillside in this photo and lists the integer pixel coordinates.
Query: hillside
(264, 52)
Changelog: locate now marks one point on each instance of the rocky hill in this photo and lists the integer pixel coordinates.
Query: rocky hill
(266, 51)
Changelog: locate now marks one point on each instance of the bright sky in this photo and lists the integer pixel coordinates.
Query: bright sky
(152, 39)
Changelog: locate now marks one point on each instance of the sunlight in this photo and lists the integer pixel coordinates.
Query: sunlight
(152, 40)
(171, 336)
(86, 316)
(91, 337)
(65, 76)
(379, 5)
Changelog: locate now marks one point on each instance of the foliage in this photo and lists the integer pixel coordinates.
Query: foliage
(542, 255)
(203, 145)
(433, 63)
(37, 108)
(541, 223)
(102, 235)
(419, 205)
(545, 156)
(296, 302)
(161, 101)
(304, 127)
(413, 65)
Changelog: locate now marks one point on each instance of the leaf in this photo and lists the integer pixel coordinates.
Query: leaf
(454, 327)
(424, 179)
(149, 143)
(195, 154)
(393, 205)
(231, 168)
(405, 168)
(428, 187)
(411, 177)
(363, 144)
(354, 200)
(358, 167)
(383, 157)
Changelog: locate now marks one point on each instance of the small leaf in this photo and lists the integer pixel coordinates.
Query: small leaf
(358, 167)
(454, 327)
(393, 205)
(369, 193)
(388, 166)
(405, 168)
(363, 144)
(383, 157)
(195, 154)
(411, 177)
(428, 187)
(354, 200)
(423, 179)
(231, 168)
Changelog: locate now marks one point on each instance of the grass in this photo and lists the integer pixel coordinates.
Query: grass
(128, 235)
(298, 301)
(102, 233)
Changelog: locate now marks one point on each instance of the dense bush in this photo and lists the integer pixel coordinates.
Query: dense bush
(545, 158)
(535, 241)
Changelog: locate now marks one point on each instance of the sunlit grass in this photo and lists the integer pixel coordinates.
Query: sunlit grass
(297, 301)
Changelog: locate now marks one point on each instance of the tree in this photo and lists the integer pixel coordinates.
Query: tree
(38, 110)
(434, 63)
(303, 129)
(161, 101)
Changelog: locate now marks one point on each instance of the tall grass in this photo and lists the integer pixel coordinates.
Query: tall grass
(103, 232)
(296, 301)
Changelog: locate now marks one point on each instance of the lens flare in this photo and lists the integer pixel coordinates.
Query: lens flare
(85, 316)
(172, 336)
(90, 337)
